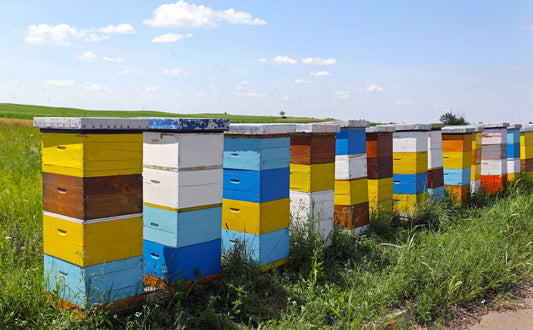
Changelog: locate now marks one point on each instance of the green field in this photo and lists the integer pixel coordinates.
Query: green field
(442, 257)
(8, 110)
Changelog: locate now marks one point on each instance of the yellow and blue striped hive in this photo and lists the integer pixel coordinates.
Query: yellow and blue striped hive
(457, 158)
(513, 151)
(255, 209)
(312, 179)
(435, 163)
(475, 167)
(410, 166)
(379, 167)
(494, 157)
(182, 202)
(526, 150)
(92, 201)
(351, 180)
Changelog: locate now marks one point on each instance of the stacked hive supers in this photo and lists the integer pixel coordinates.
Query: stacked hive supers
(457, 156)
(526, 150)
(92, 220)
(312, 178)
(494, 158)
(513, 152)
(475, 169)
(351, 183)
(256, 192)
(379, 167)
(435, 164)
(410, 166)
(182, 181)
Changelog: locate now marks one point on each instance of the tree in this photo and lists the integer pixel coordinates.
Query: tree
(282, 113)
(449, 118)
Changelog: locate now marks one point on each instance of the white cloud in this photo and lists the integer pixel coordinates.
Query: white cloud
(319, 61)
(59, 83)
(148, 92)
(250, 93)
(124, 72)
(285, 98)
(341, 94)
(121, 29)
(401, 102)
(320, 74)
(371, 88)
(527, 27)
(262, 60)
(284, 60)
(93, 37)
(517, 68)
(152, 89)
(94, 87)
(303, 81)
(175, 72)
(51, 34)
(86, 56)
(171, 37)
(182, 14)
(112, 59)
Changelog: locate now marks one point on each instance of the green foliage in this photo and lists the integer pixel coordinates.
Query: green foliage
(449, 118)
(442, 256)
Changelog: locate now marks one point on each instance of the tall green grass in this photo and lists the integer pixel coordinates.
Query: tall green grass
(444, 255)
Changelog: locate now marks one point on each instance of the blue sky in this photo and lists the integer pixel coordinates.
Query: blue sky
(401, 61)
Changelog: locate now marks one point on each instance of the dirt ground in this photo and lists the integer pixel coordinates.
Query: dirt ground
(18, 122)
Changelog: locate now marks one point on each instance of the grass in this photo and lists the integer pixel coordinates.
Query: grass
(443, 256)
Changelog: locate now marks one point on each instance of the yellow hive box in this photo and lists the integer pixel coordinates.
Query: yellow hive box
(405, 203)
(476, 140)
(255, 218)
(457, 159)
(410, 162)
(475, 172)
(512, 176)
(351, 192)
(92, 243)
(381, 206)
(526, 145)
(91, 155)
(311, 178)
(380, 189)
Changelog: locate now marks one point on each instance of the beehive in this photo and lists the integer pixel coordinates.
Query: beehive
(457, 160)
(182, 203)
(312, 180)
(475, 167)
(256, 206)
(410, 166)
(494, 158)
(513, 152)
(351, 181)
(379, 167)
(526, 150)
(435, 165)
(92, 210)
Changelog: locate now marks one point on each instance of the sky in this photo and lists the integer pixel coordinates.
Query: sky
(383, 61)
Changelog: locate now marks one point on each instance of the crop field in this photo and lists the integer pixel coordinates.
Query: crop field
(442, 257)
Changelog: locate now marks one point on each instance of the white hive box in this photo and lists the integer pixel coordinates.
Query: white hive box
(349, 167)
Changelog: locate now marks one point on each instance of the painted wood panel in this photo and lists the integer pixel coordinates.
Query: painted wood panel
(493, 167)
(307, 148)
(190, 262)
(309, 206)
(492, 184)
(513, 151)
(92, 198)
(460, 193)
(311, 178)
(251, 153)
(513, 136)
(261, 249)
(475, 172)
(255, 218)
(435, 140)
(379, 145)
(352, 216)
(381, 188)
(350, 166)
(93, 243)
(410, 183)
(256, 186)
(495, 151)
(179, 229)
(379, 168)
(188, 124)
(456, 159)
(494, 136)
(435, 159)
(435, 177)
(513, 165)
(457, 142)
(94, 285)
(351, 192)
(410, 141)
(182, 150)
(410, 162)
(406, 203)
(456, 177)
(437, 193)
(184, 189)
(350, 141)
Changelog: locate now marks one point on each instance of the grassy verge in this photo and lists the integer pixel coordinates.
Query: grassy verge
(445, 255)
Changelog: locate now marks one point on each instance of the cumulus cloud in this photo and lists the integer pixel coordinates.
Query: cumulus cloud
(112, 59)
(319, 61)
(341, 95)
(61, 34)
(86, 56)
(182, 14)
(171, 37)
(320, 74)
(94, 87)
(59, 83)
(120, 29)
(284, 60)
(303, 81)
(527, 27)
(371, 88)
(175, 72)
(250, 93)
(262, 60)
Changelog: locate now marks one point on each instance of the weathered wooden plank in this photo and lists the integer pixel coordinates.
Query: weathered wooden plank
(435, 178)
(352, 216)
(90, 123)
(352, 166)
(379, 168)
(457, 142)
(312, 149)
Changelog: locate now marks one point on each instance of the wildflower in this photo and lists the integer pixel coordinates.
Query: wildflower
(390, 325)
(242, 275)
(137, 314)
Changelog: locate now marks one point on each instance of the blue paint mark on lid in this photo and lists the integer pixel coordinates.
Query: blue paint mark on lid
(189, 124)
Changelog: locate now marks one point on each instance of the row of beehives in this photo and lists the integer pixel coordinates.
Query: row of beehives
(205, 190)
